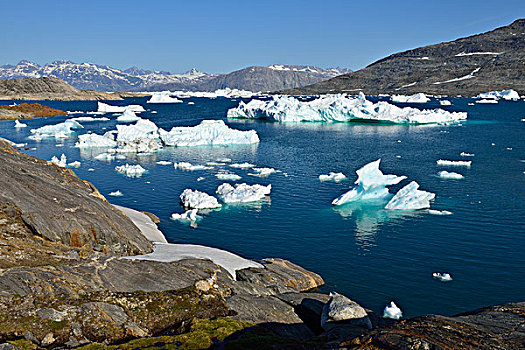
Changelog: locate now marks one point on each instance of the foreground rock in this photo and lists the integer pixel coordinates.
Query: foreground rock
(28, 111)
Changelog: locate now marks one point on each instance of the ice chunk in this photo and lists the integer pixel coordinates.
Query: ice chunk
(190, 167)
(339, 108)
(244, 165)
(207, 133)
(445, 103)
(163, 97)
(449, 175)
(128, 117)
(105, 108)
(19, 125)
(242, 193)
(392, 311)
(410, 198)
(191, 103)
(200, 178)
(263, 172)
(224, 160)
(371, 183)
(443, 277)
(198, 200)
(504, 94)
(486, 101)
(130, 170)
(95, 140)
(189, 215)
(163, 162)
(60, 130)
(60, 162)
(143, 136)
(227, 176)
(337, 177)
(416, 98)
(75, 164)
(116, 193)
(439, 212)
(445, 162)
(465, 154)
(89, 119)
(105, 156)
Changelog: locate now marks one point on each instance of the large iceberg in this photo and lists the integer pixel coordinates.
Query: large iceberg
(95, 140)
(194, 199)
(163, 97)
(143, 136)
(60, 130)
(207, 133)
(339, 108)
(504, 94)
(410, 198)
(105, 108)
(242, 193)
(416, 98)
(371, 183)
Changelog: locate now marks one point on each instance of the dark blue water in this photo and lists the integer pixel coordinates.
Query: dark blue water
(373, 256)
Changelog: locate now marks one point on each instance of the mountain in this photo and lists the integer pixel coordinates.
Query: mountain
(98, 77)
(468, 66)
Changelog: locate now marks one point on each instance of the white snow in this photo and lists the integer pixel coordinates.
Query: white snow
(143, 136)
(263, 172)
(128, 117)
(227, 92)
(504, 94)
(449, 175)
(477, 53)
(338, 108)
(371, 183)
(416, 98)
(95, 140)
(443, 277)
(242, 193)
(392, 311)
(163, 97)
(445, 103)
(465, 77)
(410, 198)
(116, 193)
(332, 177)
(163, 162)
(198, 200)
(208, 133)
(60, 130)
(75, 164)
(18, 124)
(105, 108)
(189, 215)
(487, 101)
(445, 162)
(130, 170)
(190, 167)
(244, 165)
(227, 176)
(465, 154)
(144, 224)
(62, 162)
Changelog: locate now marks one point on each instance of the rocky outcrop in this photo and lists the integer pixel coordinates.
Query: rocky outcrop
(468, 66)
(28, 111)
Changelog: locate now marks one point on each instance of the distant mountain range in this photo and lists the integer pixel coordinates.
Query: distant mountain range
(99, 77)
(468, 66)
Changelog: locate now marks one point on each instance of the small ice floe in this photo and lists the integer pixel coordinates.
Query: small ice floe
(410, 198)
(242, 193)
(224, 160)
(128, 117)
(163, 162)
(244, 165)
(189, 215)
(263, 172)
(105, 156)
(91, 169)
(20, 145)
(198, 200)
(95, 140)
(116, 193)
(163, 97)
(105, 108)
(470, 104)
(439, 212)
(62, 162)
(486, 101)
(75, 164)
(444, 162)
(18, 124)
(154, 112)
(336, 177)
(465, 154)
(90, 119)
(445, 103)
(58, 131)
(450, 175)
(214, 164)
(59, 145)
(392, 311)
(509, 148)
(190, 167)
(199, 179)
(416, 98)
(398, 156)
(443, 277)
(227, 176)
(191, 103)
(130, 170)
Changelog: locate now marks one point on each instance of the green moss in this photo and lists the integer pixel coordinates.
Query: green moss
(23, 344)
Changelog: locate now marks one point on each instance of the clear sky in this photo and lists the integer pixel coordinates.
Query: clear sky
(222, 36)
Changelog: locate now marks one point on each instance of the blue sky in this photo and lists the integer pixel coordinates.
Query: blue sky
(222, 36)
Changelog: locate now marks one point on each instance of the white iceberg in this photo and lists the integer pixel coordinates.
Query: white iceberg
(504, 94)
(198, 200)
(18, 124)
(130, 170)
(62, 162)
(443, 277)
(392, 311)
(89, 119)
(244, 165)
(227, 92)
(143, 136)
(105, 156)
(445, 103)
(128, 117)
(439, 212)
(163, 97)
(207, 133)
(189, 215)
(449, 175)
(190, 167)
(116, 193)
(105, 108)
(74, 164)
(263, 172)
(227, 176)
(163, 162)
(410, 198)
(339, 108)
(416, 98)
(95, 140)
(336, 177)
(371, 183)
(465, 154)
(487, 101)
(445, 162)
(242, 193)
(224, 160)
(60, 130)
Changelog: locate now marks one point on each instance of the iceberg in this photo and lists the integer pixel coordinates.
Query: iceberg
(371, 183)
(19, 125)
(130, 170)
(224, 160)
(392, 311)
(198, 200)
(445, 103)
(105, 156)
(465, 154)
(337, 177)
(227, 92)
(74, 164)
(443, 277)
(207, 133)
(449, 175)
(410, 198)
(128, 117)
(143, 136)
(60, 130)
(509, 95)
(95, 140)
(416, 98)
(242, 193)
(439, 212)
(487, 101)
(189, 215)
(163, 97)
(190, 167)
(89, 119)
(445, 162)
(227, 177)
(60, 162)
(163, 162)
(263, 172)
(116, 193)
(339, 108)
(105, 108)
(244, 165)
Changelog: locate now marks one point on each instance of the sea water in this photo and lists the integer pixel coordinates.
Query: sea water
(367, 253)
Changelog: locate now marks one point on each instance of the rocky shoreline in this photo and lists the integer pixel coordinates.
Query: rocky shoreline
(64, 283)
(28, 111)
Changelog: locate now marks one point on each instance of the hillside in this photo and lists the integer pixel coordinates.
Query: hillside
(468, 66)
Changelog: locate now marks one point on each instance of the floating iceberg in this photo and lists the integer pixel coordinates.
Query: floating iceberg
(263, 172)
(198, 200)
(105, 156)
(190, 167)
(95, 140)
(439, 212)
(227, 177)
(337, 177)
(19, 125)
(60, 130)
(163, 97)
(116, 193)
(74, 164)
(504, 94)
(445, 103)
(244, 165)
(392, 311)
(227, 92)
(444, 162)
(89, 119)
(443, 277)
(371, 183)
(416, 98)
(465, 154)
(449, 175)
(60, 162)
(410, 198)
(130, 170)
(105, 108)
(224, 160)
(242, 193)
(189, 215)
(143, 136)
(163, 162)
(208, 133)
(487, 101)
(128, 117)
(339, 108)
